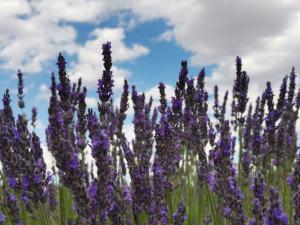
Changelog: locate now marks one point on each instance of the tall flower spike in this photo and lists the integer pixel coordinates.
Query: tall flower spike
(64, 86)
(259, 202)
(163, 101)
(158, 209)
(21, 102)
(7, 110)
(33, 116)
(200, 79)
(240, 91)
(223, 107)
(142, 150)
(105, 84)
(39, 171)
(121, 116)
(179, 216)
(281, 98)
(292, 86)
(224, 182)
(53, 85)
(255, 142)
(180, 90)
(61, 62)
(123, 105)
(216, 106)
(12, 207)
(182, 76)
(271, 115)
(275, 213)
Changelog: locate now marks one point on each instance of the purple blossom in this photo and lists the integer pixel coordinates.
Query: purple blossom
(92, 191)
(2, 218)
(74, 162)
(37, 178)
(25, 182)
(227, 211)
(212, 182)
(12, 182)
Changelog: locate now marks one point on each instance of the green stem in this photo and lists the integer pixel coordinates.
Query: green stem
(240, 152)
(211, 205)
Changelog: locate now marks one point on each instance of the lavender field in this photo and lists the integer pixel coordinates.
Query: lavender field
(184, 166)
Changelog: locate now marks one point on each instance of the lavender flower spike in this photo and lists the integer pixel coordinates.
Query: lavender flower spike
(21, 102)
(240, 91)
(105, 84)
(259, 202)
(275, 212)
(179, 216)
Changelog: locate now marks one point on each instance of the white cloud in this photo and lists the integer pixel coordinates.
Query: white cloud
(90, 66)
(265, 34)
(33, 32)
(44, 93)
(49, 159)
(39, 125)
(14, 8)
(28, 42)
(83, 11)
(166, 36)
(129, 131)
(91, 102)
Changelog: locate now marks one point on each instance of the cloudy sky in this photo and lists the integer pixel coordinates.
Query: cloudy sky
(149, 39)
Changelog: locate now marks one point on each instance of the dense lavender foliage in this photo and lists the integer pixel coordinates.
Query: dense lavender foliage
(185, 165)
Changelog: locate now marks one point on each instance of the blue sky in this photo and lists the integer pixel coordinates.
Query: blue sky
(149, 39)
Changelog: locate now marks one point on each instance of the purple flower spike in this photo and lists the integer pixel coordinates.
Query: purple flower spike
(163, 101)
(33, 117)
(21, 102)
(2, 218)
(275, 213)
(105, 84)
(240, 91)
(259, 203)
(225, 183)
(180, 216)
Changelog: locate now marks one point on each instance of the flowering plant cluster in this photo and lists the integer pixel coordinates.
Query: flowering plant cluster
(184, 165)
